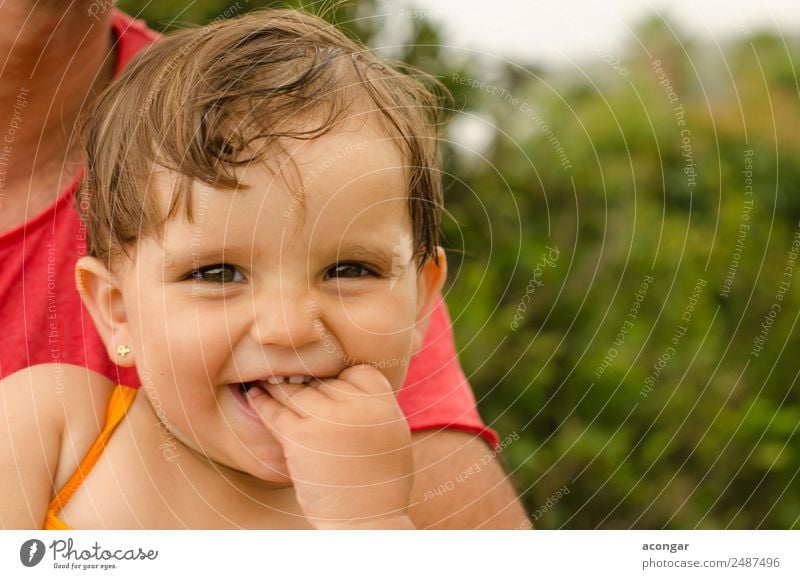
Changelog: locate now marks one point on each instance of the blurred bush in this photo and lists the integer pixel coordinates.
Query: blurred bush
(627, 360)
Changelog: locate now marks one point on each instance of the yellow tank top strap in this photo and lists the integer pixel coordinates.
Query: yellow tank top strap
(53, 523)
(118, 404)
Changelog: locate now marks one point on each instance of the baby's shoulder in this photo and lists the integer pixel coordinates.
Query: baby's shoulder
(48, 414)
(57, 395)
(56, 402)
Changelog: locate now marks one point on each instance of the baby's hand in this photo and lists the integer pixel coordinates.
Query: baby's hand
(347, 447)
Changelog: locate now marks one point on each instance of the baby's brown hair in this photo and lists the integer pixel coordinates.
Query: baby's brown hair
(205, 101)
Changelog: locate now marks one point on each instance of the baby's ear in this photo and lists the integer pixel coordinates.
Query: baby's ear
(429, 288)
(100, 291)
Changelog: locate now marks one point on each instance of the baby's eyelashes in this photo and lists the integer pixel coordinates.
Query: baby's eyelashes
(218, 273)
(222, 273)
(349, 270)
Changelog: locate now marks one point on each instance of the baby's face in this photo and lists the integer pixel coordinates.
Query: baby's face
(272, 281)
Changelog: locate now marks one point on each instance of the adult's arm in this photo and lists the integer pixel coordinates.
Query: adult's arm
(460, 484)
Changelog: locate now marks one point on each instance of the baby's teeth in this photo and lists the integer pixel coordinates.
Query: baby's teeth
(297, 379)
(275, 380)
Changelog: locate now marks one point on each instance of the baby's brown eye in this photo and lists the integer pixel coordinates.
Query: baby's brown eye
(218, 273)
(347, 270)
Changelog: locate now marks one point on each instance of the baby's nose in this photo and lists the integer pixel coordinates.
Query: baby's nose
(285, 320)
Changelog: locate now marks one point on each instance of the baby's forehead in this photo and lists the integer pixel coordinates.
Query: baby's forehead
(271, 221)
(351, 151)
(349, 170)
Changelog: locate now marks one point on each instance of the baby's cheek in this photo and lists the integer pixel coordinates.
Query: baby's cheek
(176, 335)
(379, 333)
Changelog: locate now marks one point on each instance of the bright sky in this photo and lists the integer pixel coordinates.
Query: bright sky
(553, 32)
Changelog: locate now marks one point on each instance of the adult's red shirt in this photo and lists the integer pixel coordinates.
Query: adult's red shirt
(42, 318)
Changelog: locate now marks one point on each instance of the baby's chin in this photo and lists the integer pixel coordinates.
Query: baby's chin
(270, 470)
(270, 478)
(266, 463)
(267, 471)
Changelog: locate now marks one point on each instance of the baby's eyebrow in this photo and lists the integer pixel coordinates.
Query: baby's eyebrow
(183, 257)
(179, 258)
(376, 252)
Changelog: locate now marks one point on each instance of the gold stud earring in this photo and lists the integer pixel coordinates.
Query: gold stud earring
(123, 350)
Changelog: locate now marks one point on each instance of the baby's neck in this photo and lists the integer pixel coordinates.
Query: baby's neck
(200, 492)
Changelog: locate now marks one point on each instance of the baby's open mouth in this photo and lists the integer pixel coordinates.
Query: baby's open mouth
(245, 386)
(296, 379)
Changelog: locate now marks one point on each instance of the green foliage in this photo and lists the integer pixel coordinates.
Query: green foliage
(708, 441)
(707, 438)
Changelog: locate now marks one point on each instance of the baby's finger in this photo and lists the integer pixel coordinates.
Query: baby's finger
(301, 399)
(273, 414)
(340, 391)
(367, 378)
(335, 389)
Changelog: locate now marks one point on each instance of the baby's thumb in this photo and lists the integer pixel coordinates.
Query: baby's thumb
(368, 379)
